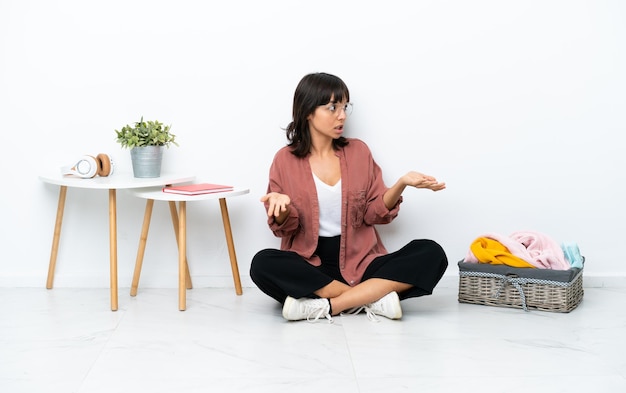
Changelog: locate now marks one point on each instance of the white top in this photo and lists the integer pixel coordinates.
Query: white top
(329, 199)
(118, 180)
(157, 194)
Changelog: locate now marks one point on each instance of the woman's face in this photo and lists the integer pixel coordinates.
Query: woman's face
(328, 120)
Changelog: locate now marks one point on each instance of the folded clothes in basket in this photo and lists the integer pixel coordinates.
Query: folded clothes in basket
(519, 249)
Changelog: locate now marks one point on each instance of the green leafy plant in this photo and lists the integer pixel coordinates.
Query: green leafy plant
(145, 133)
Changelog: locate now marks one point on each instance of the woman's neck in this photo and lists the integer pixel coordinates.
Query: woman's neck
(322, 147)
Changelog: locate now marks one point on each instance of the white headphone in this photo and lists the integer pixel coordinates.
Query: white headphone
(89, 166)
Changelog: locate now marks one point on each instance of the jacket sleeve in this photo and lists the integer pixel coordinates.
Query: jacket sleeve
(276, 184)
(375, 210)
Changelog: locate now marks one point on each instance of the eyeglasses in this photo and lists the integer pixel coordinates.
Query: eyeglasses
(334, 108)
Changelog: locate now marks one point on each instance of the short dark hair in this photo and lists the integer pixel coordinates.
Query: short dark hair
(313, 90)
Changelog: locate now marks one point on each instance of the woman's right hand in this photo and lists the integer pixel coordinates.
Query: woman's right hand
(277, 205)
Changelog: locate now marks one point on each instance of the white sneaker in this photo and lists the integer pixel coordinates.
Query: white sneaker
(388, 306)
(305, 308)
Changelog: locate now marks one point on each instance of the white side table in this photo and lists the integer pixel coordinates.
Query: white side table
(180, 227)
(112, 183)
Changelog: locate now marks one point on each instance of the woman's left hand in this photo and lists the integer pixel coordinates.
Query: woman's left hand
(420, 180)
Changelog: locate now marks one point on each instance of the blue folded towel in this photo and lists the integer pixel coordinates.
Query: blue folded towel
(572, 254)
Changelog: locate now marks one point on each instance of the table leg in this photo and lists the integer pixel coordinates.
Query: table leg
(143, 239)
(182, 252)
(174, 216)
(56, 237)
(231, 246)
(113, 246)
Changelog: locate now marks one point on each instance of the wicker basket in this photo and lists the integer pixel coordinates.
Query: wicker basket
(514, 290)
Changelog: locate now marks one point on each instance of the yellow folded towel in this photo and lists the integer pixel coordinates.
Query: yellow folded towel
(492, 251)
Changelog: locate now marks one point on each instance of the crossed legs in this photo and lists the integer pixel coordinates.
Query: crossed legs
(412, 271)
(344, 297)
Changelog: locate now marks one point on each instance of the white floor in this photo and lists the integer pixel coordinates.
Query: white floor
(68, 340)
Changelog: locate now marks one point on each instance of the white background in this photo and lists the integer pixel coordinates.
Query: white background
(517, 105)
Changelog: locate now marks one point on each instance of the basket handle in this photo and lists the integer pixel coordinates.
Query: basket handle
(514, 280)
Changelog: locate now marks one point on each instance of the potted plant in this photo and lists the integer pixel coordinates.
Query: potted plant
(146, 140)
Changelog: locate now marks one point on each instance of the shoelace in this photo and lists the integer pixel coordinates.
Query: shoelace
(371, 315)
(319, 312)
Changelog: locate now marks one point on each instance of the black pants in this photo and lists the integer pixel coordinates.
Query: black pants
(279, 274)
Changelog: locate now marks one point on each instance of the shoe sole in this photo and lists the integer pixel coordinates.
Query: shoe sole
(286, 306)
(398, 315)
